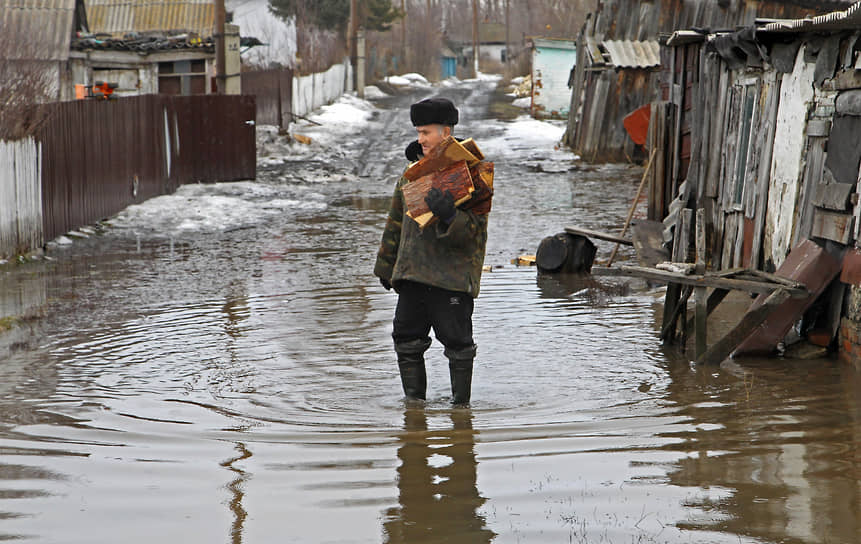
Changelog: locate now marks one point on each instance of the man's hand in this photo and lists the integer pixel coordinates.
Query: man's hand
(441, 204)
(385, 283)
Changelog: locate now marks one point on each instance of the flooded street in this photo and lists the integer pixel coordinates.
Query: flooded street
(217, 366)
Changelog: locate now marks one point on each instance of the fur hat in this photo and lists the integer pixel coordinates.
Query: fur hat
(433, 111)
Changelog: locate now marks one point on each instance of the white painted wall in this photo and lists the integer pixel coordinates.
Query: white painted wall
(20, 196)
(796, 99)
(315, 90)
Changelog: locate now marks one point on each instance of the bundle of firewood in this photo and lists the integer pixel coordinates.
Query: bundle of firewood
(458, 167)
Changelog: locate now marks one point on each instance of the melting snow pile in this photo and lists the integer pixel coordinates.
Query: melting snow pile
(372, 92)
(210, 208)
(348, 115)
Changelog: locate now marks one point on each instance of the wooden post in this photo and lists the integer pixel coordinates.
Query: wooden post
(672, 308)
(700, 298)
(724, 347)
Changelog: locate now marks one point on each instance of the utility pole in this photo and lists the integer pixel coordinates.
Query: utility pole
(220, 73)
(353, 31)
(403, 36)
(475, 51)
(507, 41)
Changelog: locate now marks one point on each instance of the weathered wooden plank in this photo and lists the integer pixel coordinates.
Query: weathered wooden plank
(832, 225)
(764, 169)
(851, 271)
(833, 196)
(696, 280)
(599, 235)
(818, 128)
(724, 347)
(668, 329)
(700, 296)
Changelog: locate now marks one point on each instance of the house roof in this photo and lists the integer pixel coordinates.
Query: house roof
(36, 29)
(633, 54)
(121, 17)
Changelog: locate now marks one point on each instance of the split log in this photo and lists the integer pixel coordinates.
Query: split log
(440, 157)
(470, 145)
(482, 179)
(454, 178)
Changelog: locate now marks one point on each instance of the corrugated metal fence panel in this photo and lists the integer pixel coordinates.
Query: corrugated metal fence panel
(100, 156)
(20, 197)
(216, 138)
(273, 91)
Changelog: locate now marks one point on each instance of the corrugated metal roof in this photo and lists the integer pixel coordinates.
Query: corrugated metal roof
(36, 29)
(121, 17)
(633, 54)
(849, 18)
(554, 43)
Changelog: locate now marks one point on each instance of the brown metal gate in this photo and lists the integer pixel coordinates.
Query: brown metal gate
(100, 156)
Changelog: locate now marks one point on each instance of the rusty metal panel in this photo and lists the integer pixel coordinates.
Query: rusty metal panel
(120, 17)
(273, 91)
(806, 263)
(100, 156)
(36, 29)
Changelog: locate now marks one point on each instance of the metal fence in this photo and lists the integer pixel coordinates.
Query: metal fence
(273, 90)
(100, 156)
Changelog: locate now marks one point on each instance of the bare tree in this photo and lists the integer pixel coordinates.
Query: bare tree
(26, 82)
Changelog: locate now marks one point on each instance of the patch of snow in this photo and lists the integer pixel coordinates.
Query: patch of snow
(449, 82)
(372, 92)
(216, 207)
(63, 241)
(517, 80)
(525, 102)
(397, 81)
(348, 110)
(413, 77)
(529, 138)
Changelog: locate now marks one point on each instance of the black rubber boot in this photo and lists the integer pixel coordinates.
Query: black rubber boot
(411, 363)
(460, 370)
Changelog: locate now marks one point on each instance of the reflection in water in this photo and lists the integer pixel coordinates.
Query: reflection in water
(237, 492)
(439, 500)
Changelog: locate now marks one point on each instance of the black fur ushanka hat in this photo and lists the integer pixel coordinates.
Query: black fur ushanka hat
(433, 111)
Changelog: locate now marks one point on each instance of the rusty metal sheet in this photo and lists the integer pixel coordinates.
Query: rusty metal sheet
(806, 263)
(273, 91)
(851, 272)
(36, 29)
(120, 17)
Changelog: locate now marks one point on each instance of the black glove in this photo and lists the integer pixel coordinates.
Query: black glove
(414, 151)
(385, 283)
(441, 204)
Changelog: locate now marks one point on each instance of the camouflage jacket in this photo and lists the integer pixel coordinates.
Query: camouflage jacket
(449, 257)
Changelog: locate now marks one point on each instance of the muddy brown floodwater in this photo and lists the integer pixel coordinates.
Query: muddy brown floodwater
(236, 382)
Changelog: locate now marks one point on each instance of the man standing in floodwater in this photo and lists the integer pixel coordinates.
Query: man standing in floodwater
(436, 271)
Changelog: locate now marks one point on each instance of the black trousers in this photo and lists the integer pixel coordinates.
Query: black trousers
(422, 307)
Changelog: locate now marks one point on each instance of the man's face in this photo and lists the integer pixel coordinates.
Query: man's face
(431, 135)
